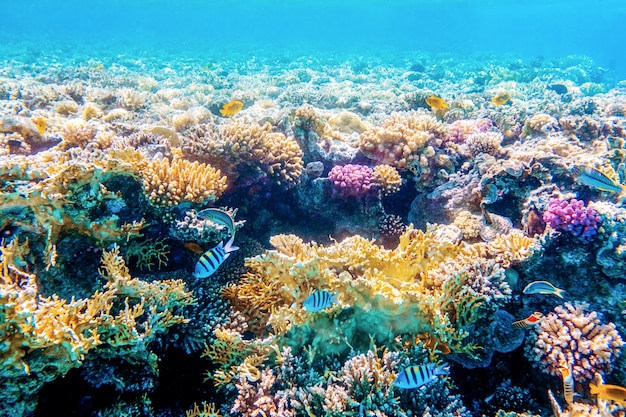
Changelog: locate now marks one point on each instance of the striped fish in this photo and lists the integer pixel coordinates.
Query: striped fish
(318, 301)
(531, 320)
(591, 177)
(416, 376)
(213, 258)
(220, 217)
(568, 382)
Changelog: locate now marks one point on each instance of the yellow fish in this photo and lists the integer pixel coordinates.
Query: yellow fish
(41, 124)
(501, 99)
(437, 103)
(613, 393)
(231, 108)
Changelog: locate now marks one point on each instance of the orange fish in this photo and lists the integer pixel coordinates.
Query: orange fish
(193, 247)
(609, 392)
(437, 103)
(231, 108)
(530, 321)
(501, 99)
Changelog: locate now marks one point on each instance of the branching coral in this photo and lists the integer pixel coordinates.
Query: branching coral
(572, 336)
(240, 143)
(168, 183)
(382, 287)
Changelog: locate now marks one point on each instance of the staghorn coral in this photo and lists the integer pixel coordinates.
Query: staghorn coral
(571, 335)
(168, 183)
(76, 133)
(207, 410)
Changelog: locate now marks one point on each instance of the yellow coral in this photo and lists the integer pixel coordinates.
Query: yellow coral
(402, 139)
(77, 133)
(388, 178)
(512, 248)
(469, 224)
(168, 183)
(208, 410)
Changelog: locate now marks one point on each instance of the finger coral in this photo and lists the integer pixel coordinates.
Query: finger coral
(168, 183)
(353, 180)
(573, 336)
(240, 143)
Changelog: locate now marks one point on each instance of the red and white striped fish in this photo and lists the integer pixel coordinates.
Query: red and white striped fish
(530, 321)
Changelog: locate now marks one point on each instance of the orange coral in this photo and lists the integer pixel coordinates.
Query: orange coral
(168, 183)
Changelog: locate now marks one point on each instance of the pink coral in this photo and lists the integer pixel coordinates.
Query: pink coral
(572, 216)
(571, 336)
(353, 180)
(460, 130)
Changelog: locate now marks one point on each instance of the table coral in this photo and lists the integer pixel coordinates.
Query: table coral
(573, 336)
(168, 183)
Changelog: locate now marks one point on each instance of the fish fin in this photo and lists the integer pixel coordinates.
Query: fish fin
(593, 389)
(228, 247)
(559, 292)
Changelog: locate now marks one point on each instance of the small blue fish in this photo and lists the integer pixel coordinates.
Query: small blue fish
(318, 301)
(213, 258)
(591, 177)
(543, 287)
(416, 376)
(220, 217)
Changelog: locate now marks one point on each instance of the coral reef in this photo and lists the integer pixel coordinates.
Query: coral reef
(572, 336)
(572, 217)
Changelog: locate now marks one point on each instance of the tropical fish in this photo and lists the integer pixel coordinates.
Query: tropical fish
(41, 124)
(318, 301)
(609, 392)
(501, 99)
(231, 108)
(543, 287)
(220, 217)
(193, 247)
(568, 382)
(437, 103)
(416, 376)
(213, 258)
(530, 321)
(591, 177)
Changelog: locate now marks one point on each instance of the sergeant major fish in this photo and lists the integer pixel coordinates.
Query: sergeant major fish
(213, 258)
(416, 376)
(318, 301)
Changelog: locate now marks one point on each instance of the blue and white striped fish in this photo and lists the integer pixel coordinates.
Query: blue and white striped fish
(213, 258)
(416, 376)
(318, 301)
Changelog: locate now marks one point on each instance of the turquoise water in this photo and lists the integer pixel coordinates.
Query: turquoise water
(524, 28)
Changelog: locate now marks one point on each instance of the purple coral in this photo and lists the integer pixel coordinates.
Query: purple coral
(572, 216)
(353, 180)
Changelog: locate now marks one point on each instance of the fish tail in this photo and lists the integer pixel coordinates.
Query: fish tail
(593, 389)
(229, 247)
(559, 292)
(443, 369)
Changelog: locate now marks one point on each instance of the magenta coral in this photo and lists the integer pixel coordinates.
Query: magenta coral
(570, 336)
(572, 216)
(460, 130)
(353, 180)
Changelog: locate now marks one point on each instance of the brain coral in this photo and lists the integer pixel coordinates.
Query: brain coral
(571, 336)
